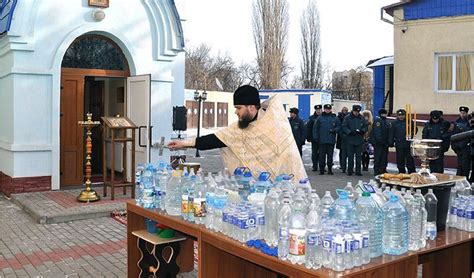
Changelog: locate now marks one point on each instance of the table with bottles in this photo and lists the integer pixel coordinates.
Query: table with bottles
(260, 228)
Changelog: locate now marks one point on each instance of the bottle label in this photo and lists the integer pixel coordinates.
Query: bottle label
(453, 211)
(184, 204)
(243, 223)
(313, 239)
(283, 233)
(225, 217)
(199, 207)
(460, 212)
(348, 246)
(297, 242)
(469, 214)
(261, 220)
(252, 222)
(354, 245)
(338, 246)
(327, 243)
(365, 242)
(148, 196)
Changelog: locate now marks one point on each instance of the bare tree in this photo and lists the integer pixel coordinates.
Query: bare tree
(311, 65)
(270, 30)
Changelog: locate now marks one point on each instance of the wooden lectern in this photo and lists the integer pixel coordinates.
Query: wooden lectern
(115, 130)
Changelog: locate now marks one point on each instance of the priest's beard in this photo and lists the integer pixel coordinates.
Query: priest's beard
(245, 121)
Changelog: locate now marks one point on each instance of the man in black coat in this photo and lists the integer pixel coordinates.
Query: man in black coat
(298, 128)
(309, 136)
(437, 128)
(397, 137)
(340, 144)
(354, 127)
(379, 139)
(462, 148)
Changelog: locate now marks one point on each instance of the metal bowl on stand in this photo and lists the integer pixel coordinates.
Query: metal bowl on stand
(426, 149)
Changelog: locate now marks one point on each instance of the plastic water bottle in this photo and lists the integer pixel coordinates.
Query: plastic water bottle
(452, 216)
(421, 200)
(263, 183)
(348, 246)
(284, 226)
(305, 185)
(272, 204)
(139, 184)
(164, 179)
(350, 190)
(338, 250)
(469, 215)
(199, 202)
(246, 185)
(313, 235)
(220, 201)
(148, 199)
(356, 246)
(173, 194)
(461, 205)
(327, 241)
(395, 227)
(369, 216)
(326, 204)
(157, 175)
(210, 185)
(243, 224)
(378, 197)
(415, 224)
(287, 184)
(297, 232)
(431, 208)
(365, 246)
(343, 208)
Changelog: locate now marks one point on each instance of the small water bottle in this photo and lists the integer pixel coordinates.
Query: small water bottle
(431, 208)
(469, 215)
(139, 184)
(284, 226)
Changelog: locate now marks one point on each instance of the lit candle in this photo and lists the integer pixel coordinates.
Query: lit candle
(414, 124)
(406, 121)
(409, 121)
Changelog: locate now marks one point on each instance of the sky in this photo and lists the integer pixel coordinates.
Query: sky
(351, 30)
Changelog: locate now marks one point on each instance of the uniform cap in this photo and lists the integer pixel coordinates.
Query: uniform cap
(464, 109)
(356, 107)
(294, 110)
(401, 112)
(318, 106)
(327, 106)
(382, 111)
(435, 114)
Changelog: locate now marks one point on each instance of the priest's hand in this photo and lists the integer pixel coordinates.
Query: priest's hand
(177, 145)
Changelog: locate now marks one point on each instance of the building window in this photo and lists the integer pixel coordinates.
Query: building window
(455, 73)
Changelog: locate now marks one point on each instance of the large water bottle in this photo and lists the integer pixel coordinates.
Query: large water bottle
(297, 232)
(431, 208)
(378, 197)
(262, 185)
(421, 200)
(326, 204)
(246, 182)
(313, 235)
(395, 227)
(148, 199)
(199, 202)
(305, 185)
(415, 224)
(469, 215)
(369, 216)
(139, 184)
(342, 208)
(283, 227)
(173, 194)
(287, 184)
(272, 204)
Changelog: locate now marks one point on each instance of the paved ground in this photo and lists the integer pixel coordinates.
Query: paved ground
(92, 247)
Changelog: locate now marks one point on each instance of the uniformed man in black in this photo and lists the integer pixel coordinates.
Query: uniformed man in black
(462, 148)
(325, 129)
(397, 137)
(379, 139)
(298, 128)
(354, 127)
(309, 136)
(340, 144)
(436, 128)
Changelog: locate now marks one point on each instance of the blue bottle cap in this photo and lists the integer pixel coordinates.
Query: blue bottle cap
(264, 176)
(248, 174)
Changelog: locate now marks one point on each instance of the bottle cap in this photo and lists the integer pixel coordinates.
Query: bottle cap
(365, 194)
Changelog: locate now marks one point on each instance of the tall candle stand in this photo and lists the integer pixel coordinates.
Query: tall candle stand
(88, 195)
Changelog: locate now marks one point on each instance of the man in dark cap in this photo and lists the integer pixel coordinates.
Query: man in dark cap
(261, 140)
(379, 139)
(325, 129)
(354, 127)
(437, 128)
(462, 148)
(398, 138)
(309, 136)
(298, 128)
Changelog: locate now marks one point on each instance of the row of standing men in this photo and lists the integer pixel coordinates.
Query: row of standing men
(357, 135)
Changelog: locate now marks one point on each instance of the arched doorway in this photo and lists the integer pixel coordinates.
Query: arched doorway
(93, 74)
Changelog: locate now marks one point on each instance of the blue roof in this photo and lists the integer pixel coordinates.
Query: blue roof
(7, 7)
(294, 91)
